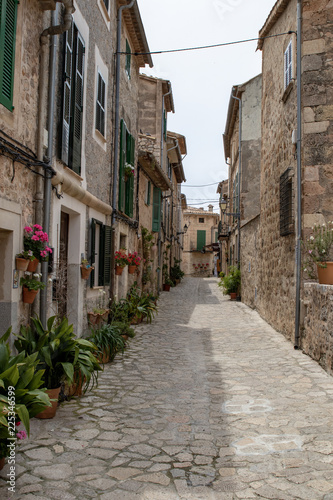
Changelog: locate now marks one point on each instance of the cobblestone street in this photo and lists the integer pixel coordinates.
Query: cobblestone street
(209, 402)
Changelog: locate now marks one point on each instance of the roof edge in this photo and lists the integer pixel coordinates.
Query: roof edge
(271, 20)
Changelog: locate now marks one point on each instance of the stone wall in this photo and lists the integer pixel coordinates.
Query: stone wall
(276, 300)
(317, 331)
(250, 262)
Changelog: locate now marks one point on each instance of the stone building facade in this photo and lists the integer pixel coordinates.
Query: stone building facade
(244, 117)
(19, 161)
(200, 241)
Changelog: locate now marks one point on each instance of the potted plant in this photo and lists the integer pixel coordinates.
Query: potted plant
(128, 171)
(108, 342)
(57, 349)
(133, 262)
(86, 269)
(121, 260)
(168, 283)
(176, 274)
(22, 260)
(21, 397)
(31, 285)
(100, 313)
(231, 282)
(318, 253)
(35, 240)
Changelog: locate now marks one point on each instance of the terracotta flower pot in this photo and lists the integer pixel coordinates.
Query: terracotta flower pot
(166, 288)
(21, 264)
(32, 266)
(94, 318)
(50, 411)
(2, 462)
(29, 295)
(325, 274)
(131, 269)
(233, 296)
(105, 357)
(85, 272)
(119, 270)
(76, 387)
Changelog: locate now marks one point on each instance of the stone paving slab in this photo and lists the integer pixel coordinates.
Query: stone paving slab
(208, 403)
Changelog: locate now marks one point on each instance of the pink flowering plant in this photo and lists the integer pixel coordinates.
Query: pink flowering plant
(129, 170)
(318, 248)
(134, 259)
(35, 240)
(121, 258)
(26, 254)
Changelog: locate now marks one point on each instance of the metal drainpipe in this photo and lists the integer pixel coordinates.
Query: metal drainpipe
(239, 175)
(299, 174)
(51, 31)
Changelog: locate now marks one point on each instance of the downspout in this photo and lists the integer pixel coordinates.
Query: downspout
(239, 176)
(40, 218)
(299, 175)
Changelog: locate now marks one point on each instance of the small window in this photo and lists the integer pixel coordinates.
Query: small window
(100, 105)
(148, 191)
(288, 65)
(128, 59)
(201, 220)
(286, 203)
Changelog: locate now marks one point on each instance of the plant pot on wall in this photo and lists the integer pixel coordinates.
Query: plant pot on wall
(32, 266)
(21, 264)
(131, 269)
(50, 411)
(119, 270)
(325, 274)
(29, 295)
(85, 272)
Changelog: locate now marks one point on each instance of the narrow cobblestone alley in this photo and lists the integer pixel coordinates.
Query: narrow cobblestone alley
(209, 402)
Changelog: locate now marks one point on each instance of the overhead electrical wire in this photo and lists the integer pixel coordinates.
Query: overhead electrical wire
(206, 46)
(203, 185)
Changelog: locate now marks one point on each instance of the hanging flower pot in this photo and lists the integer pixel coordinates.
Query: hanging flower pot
(131, 269)
(33, 264)
(94, 318)
(21, 264)
(85, 272)
(50, 411)
(325, 274)
(29, 295)
(119, 270)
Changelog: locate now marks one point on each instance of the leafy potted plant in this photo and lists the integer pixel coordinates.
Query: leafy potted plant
(31, 285)
(35, 240)
(100, 313)
(22, 260)
(57, 350)
(128, 171)
(176, 274)
(86, 269)
(318, 253)
(21, 397)
(108, 341)
(231, 282)
(168, 283)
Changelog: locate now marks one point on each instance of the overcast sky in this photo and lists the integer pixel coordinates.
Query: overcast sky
(202, 79)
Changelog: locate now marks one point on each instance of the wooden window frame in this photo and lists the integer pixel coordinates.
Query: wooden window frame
(100, 104)
(104, 255)
(288, 65)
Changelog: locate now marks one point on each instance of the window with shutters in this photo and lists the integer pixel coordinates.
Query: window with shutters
(126, 183)
(72, 112)
(201, 239)
(128, 60)
(100, 105)
(288, 65)
(157, 198)
(106, 3)
(100, 253)
(8, 13)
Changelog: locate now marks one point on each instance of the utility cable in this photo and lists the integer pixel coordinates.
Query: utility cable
(207, 46)
(203, 185)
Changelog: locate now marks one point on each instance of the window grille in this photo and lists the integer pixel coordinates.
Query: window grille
(286, 203)
(201, 220)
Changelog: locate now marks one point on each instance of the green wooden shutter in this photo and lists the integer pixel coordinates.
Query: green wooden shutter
(107, 255)
(216, 236)
(156, 209)
(201, 239)
(130, 182)
(76, 131)
(122, 159)
(148, 193)
(67, 92)
(92, 250)
(8, 13)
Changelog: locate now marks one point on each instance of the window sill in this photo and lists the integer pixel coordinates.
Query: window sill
(105, 14)
(72, 173)
(287, 92)
(99, 138)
